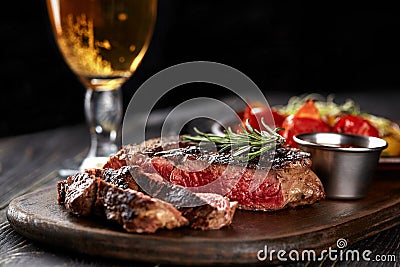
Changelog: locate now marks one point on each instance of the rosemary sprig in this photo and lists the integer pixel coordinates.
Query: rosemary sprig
(249, 141)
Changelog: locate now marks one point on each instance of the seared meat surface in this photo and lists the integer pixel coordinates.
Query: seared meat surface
(115, 195)
(289, 182)
(156, 185)
(90, 193)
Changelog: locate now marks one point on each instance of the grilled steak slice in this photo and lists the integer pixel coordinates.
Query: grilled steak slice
(217, 213)
(78, 193)
(154, 185)
(289, 183)
(138, 212)
(111, 197)
(203, 210)
(121, 177)
(89, 193)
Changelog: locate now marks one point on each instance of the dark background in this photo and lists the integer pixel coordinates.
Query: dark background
(285, 47)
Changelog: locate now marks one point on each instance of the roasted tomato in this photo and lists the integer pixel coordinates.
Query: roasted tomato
(255, 112)
(293, 126)
(308, 110)
(352, 124)
(307, 119)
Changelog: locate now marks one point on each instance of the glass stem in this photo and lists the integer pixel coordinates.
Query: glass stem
(103, 110)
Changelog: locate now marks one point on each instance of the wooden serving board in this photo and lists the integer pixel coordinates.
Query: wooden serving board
(38, 216)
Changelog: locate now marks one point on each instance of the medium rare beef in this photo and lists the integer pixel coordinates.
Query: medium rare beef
(83, 193)
(289, 182)
(138, 212)
(218, 212)
(203, 210)
(114, 194)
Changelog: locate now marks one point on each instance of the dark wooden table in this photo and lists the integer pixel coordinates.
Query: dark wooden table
(31, 161)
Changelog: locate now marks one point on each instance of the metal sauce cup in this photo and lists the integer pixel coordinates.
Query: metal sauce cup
(345, 163)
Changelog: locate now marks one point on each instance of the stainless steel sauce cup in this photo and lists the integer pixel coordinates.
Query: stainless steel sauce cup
(345, 163)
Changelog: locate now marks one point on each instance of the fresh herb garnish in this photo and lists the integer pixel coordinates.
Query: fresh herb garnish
(248, 140)
(326, 106)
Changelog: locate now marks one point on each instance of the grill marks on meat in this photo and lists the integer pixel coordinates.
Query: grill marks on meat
(114, 194)
(293, 185)
(157, 187)
(203, 210)
(211, 216)
(289, 183)
(84, 193)
(78, 193)
(120, 177)
(118, 192)
(137, 212)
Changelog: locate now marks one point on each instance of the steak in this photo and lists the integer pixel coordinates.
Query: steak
(78, 193)
(115, 195)
(203, 210)
(289, 182)
(92, 193)
(217, 213)
(138, 212)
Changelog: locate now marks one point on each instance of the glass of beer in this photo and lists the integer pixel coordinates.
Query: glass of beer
(103, 42)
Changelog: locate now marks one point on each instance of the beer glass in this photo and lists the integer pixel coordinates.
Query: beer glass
(103, 42)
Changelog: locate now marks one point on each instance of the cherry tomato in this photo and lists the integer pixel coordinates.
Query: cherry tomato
(306, 120)
(278, 118)
(255, 113)
(352, 124)
(294, 125)
(308, 110)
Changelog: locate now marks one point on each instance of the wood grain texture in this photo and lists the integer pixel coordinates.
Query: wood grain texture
(16, 250)
(28, 161)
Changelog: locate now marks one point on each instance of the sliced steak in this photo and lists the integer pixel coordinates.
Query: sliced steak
(217, 213)
(203, 210)
(88, 193)
(138, 212)
(113, 194)
(120, 177)
(288, 183)
(78, 193)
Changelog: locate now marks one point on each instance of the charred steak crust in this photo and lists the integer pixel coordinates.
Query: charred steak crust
(120, 177)
(157, 187)
(86, 193)
(218, 213)
(203, 210)
(137, 212)
(289, 183)
(114, 194)
(78, 193)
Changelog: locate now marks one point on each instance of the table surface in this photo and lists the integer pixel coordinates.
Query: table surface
(29, 162)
